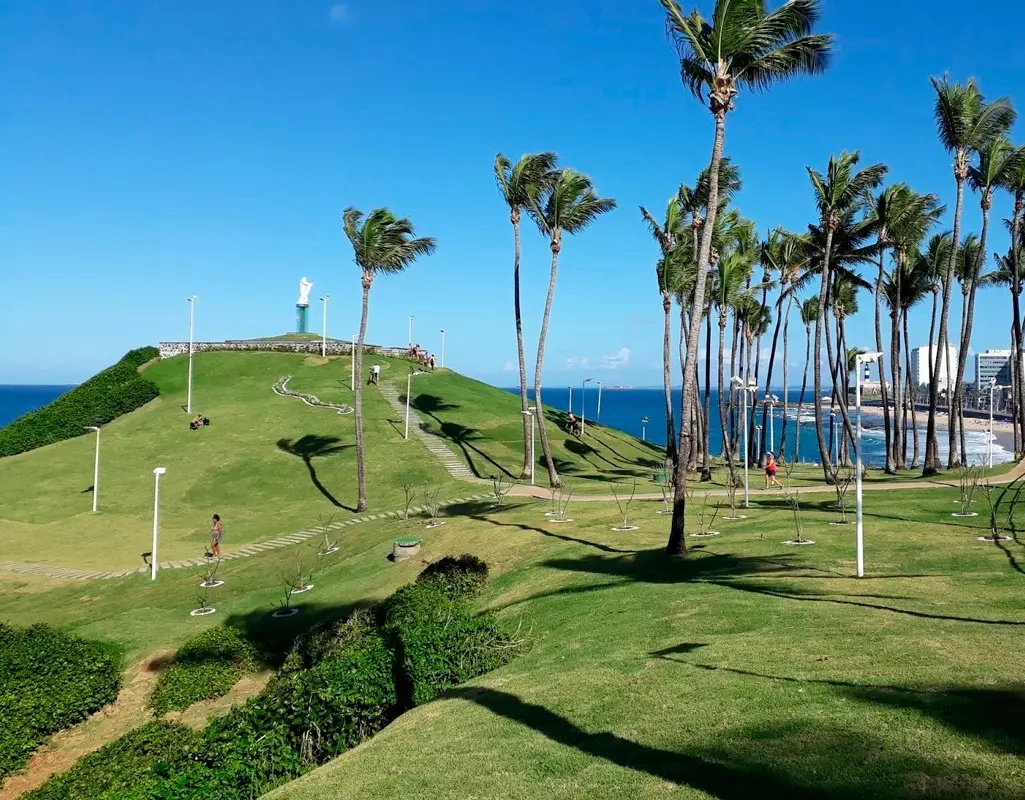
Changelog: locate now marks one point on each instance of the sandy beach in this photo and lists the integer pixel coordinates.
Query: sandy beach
(1002, 430)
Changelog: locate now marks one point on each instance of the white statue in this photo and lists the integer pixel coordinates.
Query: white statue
(304, 292)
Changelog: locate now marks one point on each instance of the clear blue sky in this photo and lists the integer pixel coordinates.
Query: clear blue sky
(153, 150)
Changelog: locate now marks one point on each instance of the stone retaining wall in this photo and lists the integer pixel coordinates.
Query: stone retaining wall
(312, 347)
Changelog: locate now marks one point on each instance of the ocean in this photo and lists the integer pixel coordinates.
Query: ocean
(625, 409)
(16, 401)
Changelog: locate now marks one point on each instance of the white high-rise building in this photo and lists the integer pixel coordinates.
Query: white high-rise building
(920, 357)
(992, 365)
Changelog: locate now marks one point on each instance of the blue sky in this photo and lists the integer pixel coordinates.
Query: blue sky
(154, 150)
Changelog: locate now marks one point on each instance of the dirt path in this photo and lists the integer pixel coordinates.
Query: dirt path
(126, 713)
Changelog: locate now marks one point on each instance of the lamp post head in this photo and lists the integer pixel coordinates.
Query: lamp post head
(192, 299)
(442, 330)
(864, 358)
(644, 420)
(736, 382)
(326, 297)
(751, 385)
(93, 428)
(158, 471)
(992, 383)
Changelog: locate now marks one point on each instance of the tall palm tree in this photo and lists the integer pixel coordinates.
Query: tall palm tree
(1014, 183)
(381, 243)
(520, 185)
(965, 124)
(809, 313)
(742, 46)
(670, 235)
(837, 194)
(568, 204)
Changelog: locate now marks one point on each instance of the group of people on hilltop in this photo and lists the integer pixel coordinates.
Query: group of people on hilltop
(421, 356)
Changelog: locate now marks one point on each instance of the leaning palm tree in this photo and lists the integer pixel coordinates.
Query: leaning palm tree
(520, 184)
(809, 313)
(568, 204)
(742, 46)
(965, 124)
(380, 243)
(837, 194)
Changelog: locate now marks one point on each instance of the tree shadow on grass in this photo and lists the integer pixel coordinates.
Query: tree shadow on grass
(534, 529)
(584, 450)
(311, 446)
(731, 770)
(459, 434)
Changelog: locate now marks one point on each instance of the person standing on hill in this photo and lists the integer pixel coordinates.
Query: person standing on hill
(216, 533)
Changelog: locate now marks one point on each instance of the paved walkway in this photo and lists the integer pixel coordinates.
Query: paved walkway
(64, 573)
(453, 464)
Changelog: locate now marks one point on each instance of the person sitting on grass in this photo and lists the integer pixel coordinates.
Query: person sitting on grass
(197, 423)
(770, 471)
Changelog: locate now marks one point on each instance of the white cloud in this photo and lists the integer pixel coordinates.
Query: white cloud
(619, 359)
(339, 13)
(577, 363)
(508, 366)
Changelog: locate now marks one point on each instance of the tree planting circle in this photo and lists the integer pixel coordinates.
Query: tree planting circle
(968, 514)
(305, 588)
(560, 519)
(329, 551)
(795, 542)
(732, 517)
(211, 584)
(285, 613)
(993, 540)
(705, 533)
(838, 524)
(625, 528)
(437, 524)
(201, 612)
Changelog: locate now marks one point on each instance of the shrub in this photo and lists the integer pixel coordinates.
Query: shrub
(107, 395)
(302, 719)
(328, 639)
(205, 667)
(122, 769)
(48, 681)
(438, 641)
(463, 576)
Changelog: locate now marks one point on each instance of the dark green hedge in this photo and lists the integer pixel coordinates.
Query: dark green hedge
(48, 681)
(205, 667)
(105, 396)
(123, 769)
(462, 576)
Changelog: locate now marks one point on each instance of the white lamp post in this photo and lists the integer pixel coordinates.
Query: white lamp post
(758, 439)
(644, 428)
(192, 319)
(323, 335)
(992, 387)
(352, 352)
(410, 330)
(96, 466)
(865, 359)
(156, 521)
(597, 415)
(443, 348)
(570, 399)
(771, 401)
(583, 400)
(532, 413)
(738, 383)
(409, 390)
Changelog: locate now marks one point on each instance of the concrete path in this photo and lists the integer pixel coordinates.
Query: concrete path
(67, 574)
(437, 446)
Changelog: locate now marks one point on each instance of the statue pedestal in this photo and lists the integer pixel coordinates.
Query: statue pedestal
(302, 318)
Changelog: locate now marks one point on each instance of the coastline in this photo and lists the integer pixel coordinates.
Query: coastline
(1003, 431)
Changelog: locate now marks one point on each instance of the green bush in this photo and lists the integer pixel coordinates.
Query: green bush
(463, 576)
(122, 769)
(302, 719)
(205, 667)
(438, 640)
(107, 395)
(48, 681)
(328, 639)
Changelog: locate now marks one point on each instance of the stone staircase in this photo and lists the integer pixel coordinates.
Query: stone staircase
(454, 465)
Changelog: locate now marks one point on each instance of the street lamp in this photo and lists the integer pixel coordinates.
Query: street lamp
(410, 330)
(865, 359)
(443, 348)
(644, 423)
(597, 416)
(409, 389)
(157, 472)
(758, 439)
(583, 400)
(96, 466)
(570, 399)
(192, 319)
(323, 335)
(532, 413)
(738, 383)
(992, 387)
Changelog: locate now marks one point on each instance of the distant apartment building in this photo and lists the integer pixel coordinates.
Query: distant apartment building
(992, 364)
(920, 359)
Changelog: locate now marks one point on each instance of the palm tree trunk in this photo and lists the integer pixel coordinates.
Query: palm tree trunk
(1018, 389)
(954, 397)
(727, 451)
(932, 456)
(771, 365)
(528, 457)
(735, 360)
(677, 543)
(899, 431)
(914, 417)
(667, 366)
(883, 393)
(361, 466)
(820, 321)
(706, 474)
(553, 476)
(804, 388)
(786, 377)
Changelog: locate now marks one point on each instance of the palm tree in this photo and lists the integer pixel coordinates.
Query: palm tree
(520, 185)
(809, 313)
(567, 204)
(1014, 183)
(742, 46)
(837, 194)
(380, 243)
(965, 124)
(670, 236)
